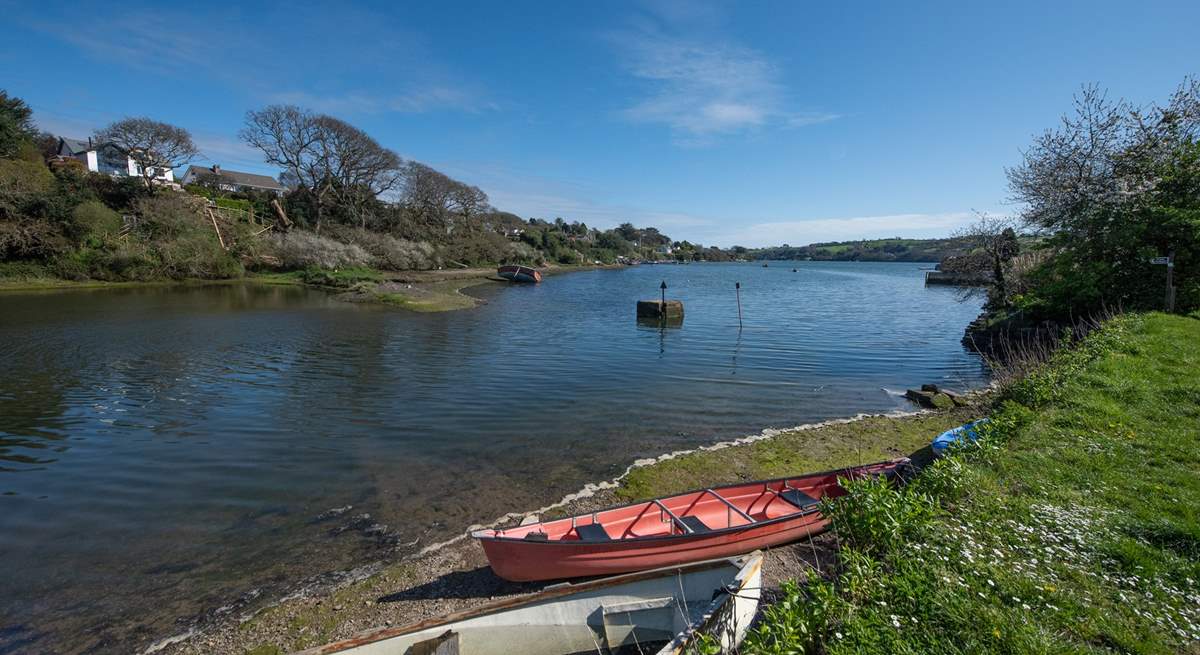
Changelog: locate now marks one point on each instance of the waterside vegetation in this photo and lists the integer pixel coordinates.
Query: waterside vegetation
(1112, 193)
(351, 209)
(1070, 527)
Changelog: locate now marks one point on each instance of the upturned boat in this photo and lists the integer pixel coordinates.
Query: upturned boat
(687, 527)
(519, 274)
(662, 611)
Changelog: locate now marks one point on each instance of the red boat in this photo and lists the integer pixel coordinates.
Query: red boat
(688, 527)
(519, 274)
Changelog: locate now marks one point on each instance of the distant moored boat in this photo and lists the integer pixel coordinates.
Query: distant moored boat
(519, 274)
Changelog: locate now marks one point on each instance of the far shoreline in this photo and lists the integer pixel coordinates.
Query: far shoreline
(419, 291)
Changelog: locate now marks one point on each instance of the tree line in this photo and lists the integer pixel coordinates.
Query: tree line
(350, 201)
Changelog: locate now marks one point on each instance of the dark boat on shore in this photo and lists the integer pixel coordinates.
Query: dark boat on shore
(672, 530)
(519, 274)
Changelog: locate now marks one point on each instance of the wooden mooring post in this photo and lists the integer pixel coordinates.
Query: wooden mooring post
(737, 289)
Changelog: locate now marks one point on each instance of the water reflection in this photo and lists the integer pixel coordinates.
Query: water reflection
(188, 438)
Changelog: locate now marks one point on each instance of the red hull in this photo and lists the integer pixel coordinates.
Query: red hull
(724, 521)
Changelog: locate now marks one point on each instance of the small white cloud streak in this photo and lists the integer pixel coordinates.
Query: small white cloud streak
(703, 87)
(414, 102)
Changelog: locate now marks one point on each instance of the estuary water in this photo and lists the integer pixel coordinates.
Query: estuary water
(167, 451)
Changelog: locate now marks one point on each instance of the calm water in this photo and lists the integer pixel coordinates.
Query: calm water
(165, 451)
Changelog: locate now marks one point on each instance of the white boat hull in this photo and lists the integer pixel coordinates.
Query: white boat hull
(669, 606)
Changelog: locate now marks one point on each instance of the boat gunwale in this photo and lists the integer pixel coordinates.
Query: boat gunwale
(482, 535)
(550, 592)
(684, 638)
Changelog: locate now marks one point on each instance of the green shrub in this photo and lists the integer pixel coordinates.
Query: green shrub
(92, 218)
(180, 238)
(799, 623)
(199, 190)
(196, 255)
(20, 182)
(234, 203)
(341, 278)
(169, 216)
(31, 238)
(23, 271)
(874, 514)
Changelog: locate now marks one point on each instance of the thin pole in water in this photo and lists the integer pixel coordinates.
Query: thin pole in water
(737, 287)
(663, 306)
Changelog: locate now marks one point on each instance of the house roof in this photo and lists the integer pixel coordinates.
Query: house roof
(75, 146)
(237, 177)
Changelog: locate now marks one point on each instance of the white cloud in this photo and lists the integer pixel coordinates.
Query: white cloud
(702, 86)
(404, 71)
(413, 102)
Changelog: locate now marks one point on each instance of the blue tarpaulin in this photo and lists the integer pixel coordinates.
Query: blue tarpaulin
(968, 432)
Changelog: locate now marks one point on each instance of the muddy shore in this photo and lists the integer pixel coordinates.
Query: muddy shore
(421, 291)
(441, 291)
(454, 575)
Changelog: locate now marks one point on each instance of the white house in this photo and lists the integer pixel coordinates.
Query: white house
(107, 158)
(232, 181)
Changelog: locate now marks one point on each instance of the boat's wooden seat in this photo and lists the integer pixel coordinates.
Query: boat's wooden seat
(695, 524)
(799, 498)
(592, 532)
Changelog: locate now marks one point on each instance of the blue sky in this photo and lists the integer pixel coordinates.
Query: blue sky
(756, 123)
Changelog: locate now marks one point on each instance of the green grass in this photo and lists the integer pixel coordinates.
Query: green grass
(1072, 528)
(834, 445)
(340, 278)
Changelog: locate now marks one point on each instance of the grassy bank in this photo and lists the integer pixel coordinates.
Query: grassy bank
(824, 446)
(419, 291)
(1073, 528)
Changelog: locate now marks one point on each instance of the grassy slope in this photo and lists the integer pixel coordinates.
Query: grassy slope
(1075, 528)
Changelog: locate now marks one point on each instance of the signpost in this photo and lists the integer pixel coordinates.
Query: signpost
(1169, 262)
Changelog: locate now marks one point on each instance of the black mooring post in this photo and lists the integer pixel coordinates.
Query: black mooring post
(663, 287)
(737, 288)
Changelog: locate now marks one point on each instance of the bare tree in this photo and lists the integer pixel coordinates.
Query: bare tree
(996, 237)
(468, 201)
(287, 136)
(331, 158)
(154, 146)
(429, 195)
(359, 168)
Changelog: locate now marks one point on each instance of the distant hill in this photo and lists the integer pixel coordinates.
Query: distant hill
(871, 250)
